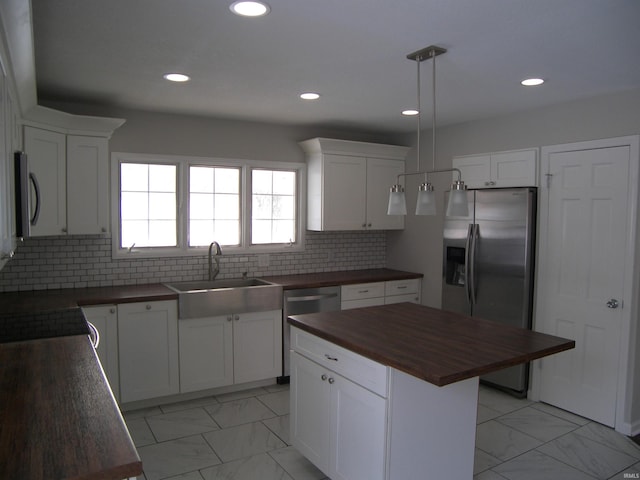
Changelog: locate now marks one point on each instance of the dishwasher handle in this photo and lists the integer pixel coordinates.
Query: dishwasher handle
(311, 298)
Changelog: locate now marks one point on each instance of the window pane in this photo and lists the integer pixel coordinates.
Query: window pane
(227, 180)
(284, 183)
(162, 178)
(162, 206)
(134, 206)
(201, 233)
(201, 206)
(214, 206)
(134, 177)
(227, 207)
(273, 206)
(201, 179)
(148, 205)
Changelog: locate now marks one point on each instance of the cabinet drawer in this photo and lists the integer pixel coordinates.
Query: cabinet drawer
(362, 302)
(401, 287)
(409, 297)
(361, 370)
(362, 290)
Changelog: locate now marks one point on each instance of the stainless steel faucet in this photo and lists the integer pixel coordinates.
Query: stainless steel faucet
(213, 272)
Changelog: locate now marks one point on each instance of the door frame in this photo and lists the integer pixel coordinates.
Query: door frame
(628, 359)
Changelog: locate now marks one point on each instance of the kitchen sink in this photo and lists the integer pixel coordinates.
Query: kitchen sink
(209, 298)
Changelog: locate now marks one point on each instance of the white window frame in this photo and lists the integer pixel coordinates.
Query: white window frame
(183, 163)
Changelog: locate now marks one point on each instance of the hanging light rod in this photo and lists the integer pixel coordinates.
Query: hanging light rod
(425, 205)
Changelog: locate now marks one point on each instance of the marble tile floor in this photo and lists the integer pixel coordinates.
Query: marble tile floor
(245, 436)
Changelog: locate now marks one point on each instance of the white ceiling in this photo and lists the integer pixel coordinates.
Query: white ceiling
(353, 52)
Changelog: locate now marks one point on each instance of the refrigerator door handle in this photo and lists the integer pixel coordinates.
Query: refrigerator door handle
(467, 263)
(471, 276)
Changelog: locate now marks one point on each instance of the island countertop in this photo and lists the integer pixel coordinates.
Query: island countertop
(59, 418)
(435, 345)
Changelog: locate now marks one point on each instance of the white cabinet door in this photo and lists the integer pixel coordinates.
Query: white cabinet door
(381, 175)
(105, 319)
(206, 352)
(5, 173)
(358, 431)
(257, 346)
(344, 192)
(310, 410)
(148, 349)
(338, 425)
(518, 168)
(475, 170)
(46, 153)
(87, 185)
(515, 169)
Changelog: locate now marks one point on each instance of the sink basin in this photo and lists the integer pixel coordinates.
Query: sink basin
(199, 285)
(209, 298)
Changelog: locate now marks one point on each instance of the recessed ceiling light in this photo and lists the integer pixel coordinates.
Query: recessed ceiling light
(310, 96)
(410, 112)
(532, 82)
(250, 9)
(177, 77)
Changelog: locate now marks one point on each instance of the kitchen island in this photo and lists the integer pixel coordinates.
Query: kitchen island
(390, 392)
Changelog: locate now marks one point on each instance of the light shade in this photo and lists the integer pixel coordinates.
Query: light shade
(397, 203)
(426, 203)
(458, 205)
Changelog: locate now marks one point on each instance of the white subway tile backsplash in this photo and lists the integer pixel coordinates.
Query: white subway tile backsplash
(85, 261)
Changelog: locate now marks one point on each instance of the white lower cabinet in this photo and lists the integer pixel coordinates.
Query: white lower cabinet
(380, 293)
(336, 423)
(227, 349)
(105, 319)
(148, 350)
(356, 419)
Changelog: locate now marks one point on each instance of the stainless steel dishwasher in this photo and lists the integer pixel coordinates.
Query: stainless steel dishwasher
(297, 302)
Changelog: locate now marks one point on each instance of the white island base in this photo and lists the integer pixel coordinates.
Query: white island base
(431, 429)
(356, 419)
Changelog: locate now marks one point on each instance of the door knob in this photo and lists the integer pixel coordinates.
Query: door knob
(612, 303)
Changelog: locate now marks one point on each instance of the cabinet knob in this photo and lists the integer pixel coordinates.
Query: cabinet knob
(323, 377)
(331, 380)
(64, 229)
(148, 307)
(112, 310)
(236, 317)
(369, 225)
(103, 229)
(229, 318)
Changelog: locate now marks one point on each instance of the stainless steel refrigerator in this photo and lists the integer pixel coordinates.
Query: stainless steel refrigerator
(488, 266)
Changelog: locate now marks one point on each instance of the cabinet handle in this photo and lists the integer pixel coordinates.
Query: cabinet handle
(323, 377)
(229, 318)
(236, 317)
(112, 310)
(364, 225)
(103, 229)
(363, 291)
(329, 357)
(64, 229)
(401, 287)
(148, 307)
(486, 184)
(331, 380)
(369, 225)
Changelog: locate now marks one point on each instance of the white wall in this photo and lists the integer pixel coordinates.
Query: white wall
(419, 246)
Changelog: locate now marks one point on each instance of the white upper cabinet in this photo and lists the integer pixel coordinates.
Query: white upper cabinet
(87, 185)
(46, 153)
(70, 189)
(517, 168)
(348, 184)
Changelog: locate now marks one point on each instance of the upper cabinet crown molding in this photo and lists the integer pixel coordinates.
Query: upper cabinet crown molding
(69, 124)
(349, 147)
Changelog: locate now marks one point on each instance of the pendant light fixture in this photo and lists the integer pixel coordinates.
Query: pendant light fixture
(426, 202)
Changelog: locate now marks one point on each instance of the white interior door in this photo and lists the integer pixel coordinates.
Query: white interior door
(585, 259)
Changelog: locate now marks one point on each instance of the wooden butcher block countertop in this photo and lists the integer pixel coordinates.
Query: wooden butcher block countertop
(58, 418)
(347, 277)
(435, 345)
